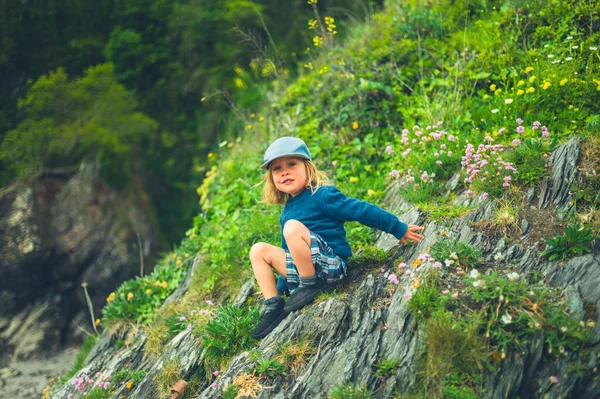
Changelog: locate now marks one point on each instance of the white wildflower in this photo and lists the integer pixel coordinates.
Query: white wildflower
(474, 273)
(507, 319)
(512, 276)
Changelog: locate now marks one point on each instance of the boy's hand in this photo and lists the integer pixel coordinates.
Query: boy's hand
(411, 234)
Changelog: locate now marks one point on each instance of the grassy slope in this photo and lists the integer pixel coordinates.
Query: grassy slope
(460, 63)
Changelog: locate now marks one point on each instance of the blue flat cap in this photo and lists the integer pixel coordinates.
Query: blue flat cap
(286, 147)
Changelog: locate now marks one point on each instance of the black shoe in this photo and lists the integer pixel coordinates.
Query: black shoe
(269, 320)
(304, 295)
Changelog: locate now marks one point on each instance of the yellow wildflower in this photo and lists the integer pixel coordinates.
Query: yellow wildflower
(129, 296)
(354, 125)
(111, 297)
(495, 133)
(354, 179)
(164, 284)
(416, 263)
(324, 69)
(530, 90)
(179, 262)
(129, 385)
(262, 118)
(308, 65)
(318, 41)
(248, 126)
(416, 283)
(546, 84)
(370, 193)
(148, 291)
(252, 115)
(528, 69)
(493, 87)
(312, 23)
(563, 82)
(238, 139)
(210, 155)
(239, 83)
(520, 92)
(98, 321)
(521, 83)
(532, 79)
(311, 2)
(485, 96)
(497, 91)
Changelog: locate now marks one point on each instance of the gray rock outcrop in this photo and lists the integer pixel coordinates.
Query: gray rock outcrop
(353, 332)
(57, 231)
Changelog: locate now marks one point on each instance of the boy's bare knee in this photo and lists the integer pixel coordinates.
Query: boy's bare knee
(258, 250)
(293, 228)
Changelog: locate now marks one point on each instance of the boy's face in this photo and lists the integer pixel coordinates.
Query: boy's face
(289, 175)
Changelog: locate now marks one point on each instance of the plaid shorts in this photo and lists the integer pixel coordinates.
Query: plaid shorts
(328, 266)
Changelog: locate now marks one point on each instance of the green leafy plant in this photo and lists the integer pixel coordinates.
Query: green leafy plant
(229, 332)
(459, 253)
(99, 393)
(269, 368)
(530, 160)
(231, 391)
(350, 391)
(386, 367)
(513, 311)
(427, 301)
(575, 242)
(128, 375)
(138, 299)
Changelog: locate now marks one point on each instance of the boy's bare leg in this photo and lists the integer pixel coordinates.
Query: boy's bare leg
(297, 238)
(264, 257)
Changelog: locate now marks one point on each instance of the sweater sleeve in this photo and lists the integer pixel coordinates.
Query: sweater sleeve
(340, 207)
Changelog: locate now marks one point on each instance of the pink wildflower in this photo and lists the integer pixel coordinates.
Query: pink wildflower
(216, 373)
(437, 265)
(484, 195)
(394, 173)
(516, 142)
(402, 265)
(389, 150)
(210, 303)
(408, 295)
(553, 379)
(519, 121)
(520, 129)
(182, 318)
(545, 134)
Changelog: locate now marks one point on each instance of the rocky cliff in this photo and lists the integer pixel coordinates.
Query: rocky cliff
(59, 230)
(369, 319)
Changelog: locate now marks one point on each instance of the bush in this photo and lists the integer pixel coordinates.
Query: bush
(229, 332)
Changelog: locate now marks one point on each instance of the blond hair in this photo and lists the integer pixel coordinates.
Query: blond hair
(314, 180)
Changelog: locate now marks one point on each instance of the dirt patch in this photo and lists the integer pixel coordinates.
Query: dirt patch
(543, 223)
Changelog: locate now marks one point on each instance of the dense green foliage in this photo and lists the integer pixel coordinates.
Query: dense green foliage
(167, 57)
